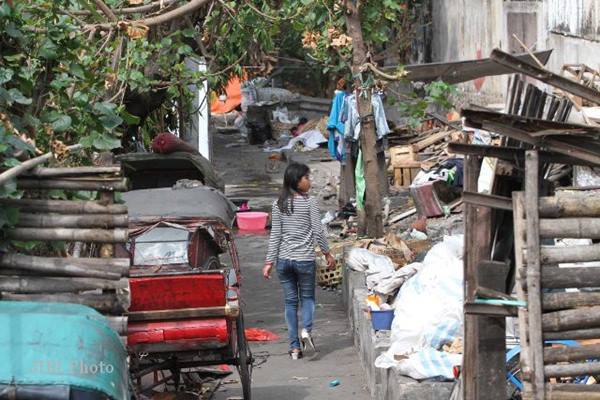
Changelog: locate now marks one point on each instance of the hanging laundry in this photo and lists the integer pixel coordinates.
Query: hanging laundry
(336, 126)
(350, 115)
(361, 184)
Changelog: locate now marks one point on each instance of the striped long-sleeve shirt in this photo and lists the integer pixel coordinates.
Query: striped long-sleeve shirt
(293, 236)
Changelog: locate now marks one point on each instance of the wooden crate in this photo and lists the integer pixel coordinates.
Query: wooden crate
(403, 176)
(404, 165)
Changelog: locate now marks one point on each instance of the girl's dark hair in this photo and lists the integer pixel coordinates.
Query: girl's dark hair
(293, 173)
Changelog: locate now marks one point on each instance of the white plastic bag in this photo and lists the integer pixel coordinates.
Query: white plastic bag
(388, 284)
(428, 314)
(376, 266)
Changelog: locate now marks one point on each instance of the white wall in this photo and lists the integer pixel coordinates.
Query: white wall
(461, 28)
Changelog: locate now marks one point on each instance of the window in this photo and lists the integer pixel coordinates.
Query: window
(163, 245)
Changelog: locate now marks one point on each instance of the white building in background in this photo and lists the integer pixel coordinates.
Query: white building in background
(471, 29)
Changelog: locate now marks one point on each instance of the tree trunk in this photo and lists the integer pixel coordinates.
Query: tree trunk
(374, 218)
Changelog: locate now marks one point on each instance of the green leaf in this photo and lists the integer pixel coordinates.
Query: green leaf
(77, 70)
(166, 42)
(9, 216)
(8, 189)
(111, 121)
(85, 195)
(27, 246)
(13, 31)
(105, 142)
(189, 32)
(130, 119)
(104, 108)
(57, 194)
(80, 98)
(4, 95)
(87, 141)
(5, 75)
(136, 75)
(11, 162)
(30, 120)
(62, 123)
(48, 50)
(17, 96)
(18, 144)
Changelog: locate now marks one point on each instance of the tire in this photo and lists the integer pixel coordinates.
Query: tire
(244, 359)
(211, 263)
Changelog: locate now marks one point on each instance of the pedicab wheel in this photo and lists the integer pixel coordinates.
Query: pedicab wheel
(244, 359)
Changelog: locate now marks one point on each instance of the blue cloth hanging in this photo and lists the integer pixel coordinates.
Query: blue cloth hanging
(335, 125)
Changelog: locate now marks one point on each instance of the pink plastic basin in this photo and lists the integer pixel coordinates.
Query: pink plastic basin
(252, 221)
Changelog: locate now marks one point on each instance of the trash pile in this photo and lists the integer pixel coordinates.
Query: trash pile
(426, 299)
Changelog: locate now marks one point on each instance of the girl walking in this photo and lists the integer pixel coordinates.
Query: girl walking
(295, 229)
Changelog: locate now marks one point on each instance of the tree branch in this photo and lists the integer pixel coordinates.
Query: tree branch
(106, 10)
(132, 10)
(396, 77)
(160, 19)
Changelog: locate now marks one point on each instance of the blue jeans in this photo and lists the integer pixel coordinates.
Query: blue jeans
(298, 281)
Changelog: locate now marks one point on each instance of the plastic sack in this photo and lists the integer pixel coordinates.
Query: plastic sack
(388, 284)
(376, 266)
(428, 314)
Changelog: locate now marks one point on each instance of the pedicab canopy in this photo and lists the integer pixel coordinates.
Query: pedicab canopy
(173, 204)
(52, 349)
(152, 170)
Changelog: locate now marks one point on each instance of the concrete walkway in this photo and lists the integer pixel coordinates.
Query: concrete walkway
(277, 376)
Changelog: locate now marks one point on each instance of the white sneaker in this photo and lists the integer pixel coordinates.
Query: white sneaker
(306, 339)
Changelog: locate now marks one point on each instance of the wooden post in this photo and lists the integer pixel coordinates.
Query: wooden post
(484, 355)
(374, 217)
(534, 301)
(519, 228)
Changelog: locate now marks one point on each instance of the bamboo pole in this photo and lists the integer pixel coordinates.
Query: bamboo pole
(521, 286)
(554, 355)
(570, 228)
(566, 300)
(29, 164)
(103, 221)
(570, 205)
(578, 318)
(70, 235)
(56, 285)
(577, 334)
(564, 370)
(591, 395)
(534, 302)
(571, 387)
(103, 302)
(42, 172)
(91, 267)
(109, 185)
(555, 254)
(65, 206)
(579, 277)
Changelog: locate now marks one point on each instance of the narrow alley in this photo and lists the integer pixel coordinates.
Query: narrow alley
(275, 375)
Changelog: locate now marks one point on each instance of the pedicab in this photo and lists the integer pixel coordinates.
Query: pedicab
(185, 287)
(60, 351)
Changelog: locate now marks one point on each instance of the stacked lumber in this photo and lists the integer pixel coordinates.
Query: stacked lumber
(509, 266)
(423, 151)
(563, 315)
(98, 280)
